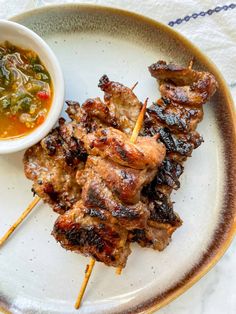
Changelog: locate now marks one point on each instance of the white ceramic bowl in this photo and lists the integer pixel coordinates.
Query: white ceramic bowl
(23, 37)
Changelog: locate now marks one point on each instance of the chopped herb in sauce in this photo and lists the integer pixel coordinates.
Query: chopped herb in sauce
(25, 91)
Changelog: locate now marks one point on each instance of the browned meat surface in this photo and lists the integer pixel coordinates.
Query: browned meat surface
(52, 165)
(176, 117)
(92, 115)
(119, 110)
(178, 146)
(156, 237)
(115, 145)
(81, 231)
(163, 221)
(124, 106)
(183, 85)
(126, 183)
(95, 194)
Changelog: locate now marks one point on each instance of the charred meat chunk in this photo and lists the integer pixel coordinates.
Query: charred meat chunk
(123, 104)
(52, 165)
(105, 241)
(115, 145)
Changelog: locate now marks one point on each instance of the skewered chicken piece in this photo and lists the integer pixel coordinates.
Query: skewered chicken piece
(52, 165)
(176, 115)
(81, 231)
(183, 85)
(91, 115)
(95, 193)
(89, 269)
(115, 145)
(123, 105)
(124, 182)
(119, 110)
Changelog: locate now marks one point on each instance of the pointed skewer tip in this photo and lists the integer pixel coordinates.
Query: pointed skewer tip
(88, 273)
(19, 220)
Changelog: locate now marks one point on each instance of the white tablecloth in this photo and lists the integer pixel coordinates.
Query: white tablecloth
(211, 25)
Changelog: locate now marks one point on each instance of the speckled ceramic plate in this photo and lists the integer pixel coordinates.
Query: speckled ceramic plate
(36, 274)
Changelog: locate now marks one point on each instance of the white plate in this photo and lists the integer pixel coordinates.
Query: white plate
(36, 274)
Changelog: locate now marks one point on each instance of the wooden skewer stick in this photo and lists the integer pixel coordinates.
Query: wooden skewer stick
(190, 64)
(133, 139)
(139, 123)
(133, 87)
(119, 270)
(19, 220)
(88, 273)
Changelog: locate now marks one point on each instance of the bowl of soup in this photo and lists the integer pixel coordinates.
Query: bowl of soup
(31, 88)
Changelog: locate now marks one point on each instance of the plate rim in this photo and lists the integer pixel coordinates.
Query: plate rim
(154, 304)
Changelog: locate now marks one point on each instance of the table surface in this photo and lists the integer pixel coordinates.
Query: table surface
(211, 25)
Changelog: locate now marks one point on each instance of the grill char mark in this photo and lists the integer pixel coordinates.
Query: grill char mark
(169, 173)
(49, 189)
(93, 197)
(104, 240)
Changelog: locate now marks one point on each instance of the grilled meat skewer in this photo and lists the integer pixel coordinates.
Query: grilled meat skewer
(174, 117)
